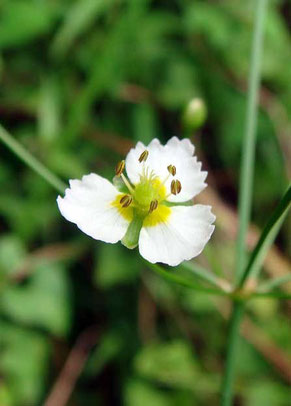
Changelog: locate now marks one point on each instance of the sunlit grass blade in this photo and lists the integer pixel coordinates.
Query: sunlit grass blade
(178, 280)
(268, 235)
(31, 161)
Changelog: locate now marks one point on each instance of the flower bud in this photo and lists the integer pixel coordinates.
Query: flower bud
(195, 114)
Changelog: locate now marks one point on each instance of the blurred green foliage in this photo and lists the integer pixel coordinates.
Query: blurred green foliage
(81, 81)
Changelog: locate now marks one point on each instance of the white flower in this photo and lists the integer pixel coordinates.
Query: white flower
(152, 209)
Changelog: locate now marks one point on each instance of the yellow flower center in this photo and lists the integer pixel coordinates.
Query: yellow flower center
(126, 212)
(145, 203)
(145, 192)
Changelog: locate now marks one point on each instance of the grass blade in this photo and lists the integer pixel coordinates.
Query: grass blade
(31, 161)
(206, 275)
(178, 280)
(268, 235)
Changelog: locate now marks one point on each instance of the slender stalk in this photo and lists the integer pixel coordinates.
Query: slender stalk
(245, 197)
(232, 346)
(178, 280)
(30, 160)
(206, 275)
(249, 141)
(269, 285)
(270, 295)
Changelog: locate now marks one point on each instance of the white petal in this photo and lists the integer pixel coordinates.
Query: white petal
(87, 203)
(176, 152)
(181, 238)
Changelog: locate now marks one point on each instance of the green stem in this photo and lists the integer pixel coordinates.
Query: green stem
(249, 141)
(206, 275)
(268, 286)
(232, 346)
(31, 161)
(270, 295)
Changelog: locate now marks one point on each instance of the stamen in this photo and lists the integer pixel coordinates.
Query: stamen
(126, 182)
(153, 205)
(119, 168)
(143, 156)
(172, 169)
(176, 187)
(126, 200)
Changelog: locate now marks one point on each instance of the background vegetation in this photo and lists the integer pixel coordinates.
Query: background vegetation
(80, 83)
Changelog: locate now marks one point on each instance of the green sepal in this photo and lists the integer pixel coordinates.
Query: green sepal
(119, 184)
(130, 240)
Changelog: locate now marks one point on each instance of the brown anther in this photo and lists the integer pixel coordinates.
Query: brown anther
(144, 156)
(172, 169)
(153, 205)
(176, 187)
(119, 168)
(126, 200)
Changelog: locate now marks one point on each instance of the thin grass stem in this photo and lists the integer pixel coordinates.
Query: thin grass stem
(245, 196)
(232, 347)
(206, 275)
(249, 140)
(171, 276)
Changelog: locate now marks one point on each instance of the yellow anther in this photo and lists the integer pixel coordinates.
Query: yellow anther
(176, 187)
(119, 168)
(126, 200)
(153, 205)
(172, 169)
(143, 156)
